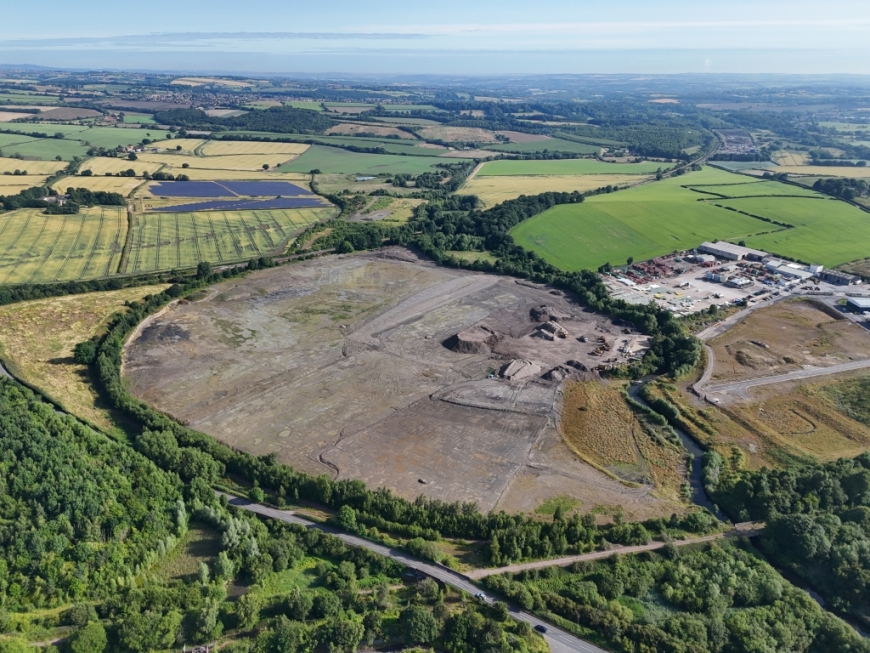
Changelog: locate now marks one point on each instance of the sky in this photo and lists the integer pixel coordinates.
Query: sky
(450, 37)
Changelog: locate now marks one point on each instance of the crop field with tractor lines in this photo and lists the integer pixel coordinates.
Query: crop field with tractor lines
(239, 148)
(122, 185)
(39, 248)
(330, 160)
(568, 167)
(493, 190)
(166, 241)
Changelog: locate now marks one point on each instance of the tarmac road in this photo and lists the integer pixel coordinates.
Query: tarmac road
(559, 640)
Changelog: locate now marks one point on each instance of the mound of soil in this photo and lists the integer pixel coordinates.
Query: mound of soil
(546, 313)
(476, 340)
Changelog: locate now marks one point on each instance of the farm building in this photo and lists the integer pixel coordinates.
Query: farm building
(839, 278)
(731, 252)
(858, 304)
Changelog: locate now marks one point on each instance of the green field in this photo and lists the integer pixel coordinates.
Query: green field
(48, 148)
(641, 222)
(757, 189)
(76, 142)
(826, 231)
(330, 160)
(165, 241)
(42, 128)
(553, 145)
(138, 120)
(38, 248)
(567, 167)
(13, 139)
(312, 106)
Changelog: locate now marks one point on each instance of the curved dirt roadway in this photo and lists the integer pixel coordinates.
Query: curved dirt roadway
(747, 529)
(742, 387)
(559, 640)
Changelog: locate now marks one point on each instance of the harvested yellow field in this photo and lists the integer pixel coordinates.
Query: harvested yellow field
(198, 174)
(824, 171)
(187, 145)
(459, 134)
(11, 185)
(122, 185)
(231, 162)
(600, 427)
(351, 129)
(100, 165)
(32, 167)
(494, 190)
(784, 158)
(37, 340)
(223, 148)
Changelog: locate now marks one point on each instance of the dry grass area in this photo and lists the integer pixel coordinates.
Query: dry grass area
(351, 129)
(521, 137)
(187, 145)
(9, 116)
(493, 190)
(37, 340)
(598, 425)
(781, 426)
(459, 134)
(198, 174)
(227, 162)
(224, 148)
(12, 184)
(104, 164)
(122, 185)
(205, 81)
(784, 337)
(791, 158)
(32, 167)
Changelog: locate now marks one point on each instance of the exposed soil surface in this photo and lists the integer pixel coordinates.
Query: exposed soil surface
(787, 337)
(339, 366)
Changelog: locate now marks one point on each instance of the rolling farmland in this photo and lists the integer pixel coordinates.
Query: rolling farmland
(32, 167)
(39, 248)
(826, 231)
(106, 164)
(122, 185)
(567, 167)
(165, 241)
(223, 148)
(496, 189)
(551, 144)
(642, 222)
(230, 162)
(330, 160)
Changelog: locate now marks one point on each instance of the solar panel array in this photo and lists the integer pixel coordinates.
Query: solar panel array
(226, 189)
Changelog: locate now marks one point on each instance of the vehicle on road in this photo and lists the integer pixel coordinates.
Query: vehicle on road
(540, 628)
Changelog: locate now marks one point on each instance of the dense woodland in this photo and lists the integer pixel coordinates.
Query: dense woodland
(818, 522)
(276, 119)
(709, 599)
(88, 522)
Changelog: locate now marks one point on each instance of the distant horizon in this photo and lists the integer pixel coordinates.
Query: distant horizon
(349, 74)
(452, 37)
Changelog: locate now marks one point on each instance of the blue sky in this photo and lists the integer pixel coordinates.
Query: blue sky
(446, 37)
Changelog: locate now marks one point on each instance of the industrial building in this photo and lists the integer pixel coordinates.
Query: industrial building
(839, 278)
(731, 252)
(791, 270)
(858, 304)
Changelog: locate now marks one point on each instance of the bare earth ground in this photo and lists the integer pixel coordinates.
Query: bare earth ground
(796, 334)
(339, 366)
